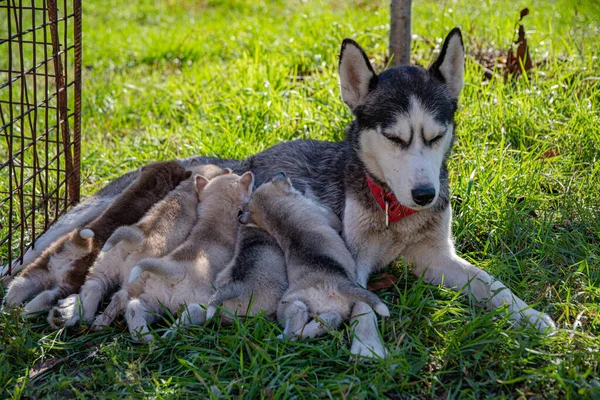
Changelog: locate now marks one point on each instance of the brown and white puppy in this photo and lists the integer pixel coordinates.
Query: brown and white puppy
(162, 229)
(61, 269)
(184, 277)
(254, 280)
(321, 270)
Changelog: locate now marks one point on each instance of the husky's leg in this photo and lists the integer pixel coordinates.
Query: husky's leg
(139, 315)
(366, 341)
(117, 304)
(295, 316)
(320, 325)
(443, 266)
(193, 314)
(21, 288)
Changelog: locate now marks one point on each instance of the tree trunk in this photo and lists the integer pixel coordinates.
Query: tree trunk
(400, 32)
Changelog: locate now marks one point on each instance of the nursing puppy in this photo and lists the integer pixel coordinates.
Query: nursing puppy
(61, 269)
(160, 231)
(184, 277)
(254, 280)
(321, 270)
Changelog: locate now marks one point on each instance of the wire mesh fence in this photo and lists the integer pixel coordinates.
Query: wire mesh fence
(40, 119)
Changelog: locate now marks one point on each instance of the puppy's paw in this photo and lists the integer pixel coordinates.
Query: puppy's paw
(368, 348)
(66, 313)
(382, 310)
(141, 336)
(135, 274)
(210, 312)
(55, 319)
(311, 330)
(100, 322)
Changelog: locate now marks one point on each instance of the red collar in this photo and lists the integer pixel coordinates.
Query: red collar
(395, 210)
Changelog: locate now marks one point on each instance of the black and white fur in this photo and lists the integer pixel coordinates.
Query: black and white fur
(254, 280)
(401, 135)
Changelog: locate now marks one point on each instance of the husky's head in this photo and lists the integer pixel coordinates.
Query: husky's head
(404, 124)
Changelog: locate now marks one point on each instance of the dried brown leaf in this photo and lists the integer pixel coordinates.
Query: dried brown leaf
(382, 281)
(549, 153)
(43, 366)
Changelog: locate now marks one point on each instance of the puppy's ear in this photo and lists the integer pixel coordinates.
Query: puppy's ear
(247, 182)
(450, 65)
(245, 218)
(283, 182)
(200, 183)
(357, 77)
(227, 171)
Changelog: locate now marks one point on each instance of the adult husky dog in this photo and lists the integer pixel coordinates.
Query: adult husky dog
(387, 180)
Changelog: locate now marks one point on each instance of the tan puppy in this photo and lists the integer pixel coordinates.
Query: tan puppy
(254, 280)
(321, 270)
(161, 230)
(184, 276)
(61, 269)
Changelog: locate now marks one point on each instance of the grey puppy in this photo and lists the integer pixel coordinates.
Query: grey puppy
(321, 270)
(254, 280)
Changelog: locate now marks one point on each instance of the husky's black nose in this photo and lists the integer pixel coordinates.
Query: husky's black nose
(423, 195)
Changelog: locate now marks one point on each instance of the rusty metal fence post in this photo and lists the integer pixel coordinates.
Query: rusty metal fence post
(40, 119)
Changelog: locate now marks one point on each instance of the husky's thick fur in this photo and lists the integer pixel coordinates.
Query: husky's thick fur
(184, 277)
(401, 136)
(61, 269)
(162, 229)
(321, 270)
(254, 280)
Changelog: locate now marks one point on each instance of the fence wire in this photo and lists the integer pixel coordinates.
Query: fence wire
(40, 118)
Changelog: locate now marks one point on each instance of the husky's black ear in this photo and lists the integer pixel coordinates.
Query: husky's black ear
(357, 77)
(450, 65)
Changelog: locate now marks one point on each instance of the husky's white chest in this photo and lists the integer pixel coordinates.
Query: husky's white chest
(375, 246)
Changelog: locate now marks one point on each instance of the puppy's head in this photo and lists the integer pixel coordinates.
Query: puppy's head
(224, 195)
(268, 200)
(208, 171)
(169, 173)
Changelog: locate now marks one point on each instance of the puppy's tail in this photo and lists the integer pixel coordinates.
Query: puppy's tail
(356, 293)
(131, 234)
(227, 292)
(157, 266)
(83, 238)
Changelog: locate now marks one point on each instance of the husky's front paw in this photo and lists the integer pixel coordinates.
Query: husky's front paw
(368, 348)
(541, 321)
(65, 313)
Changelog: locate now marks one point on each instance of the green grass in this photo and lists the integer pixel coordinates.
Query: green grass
(229, 78)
